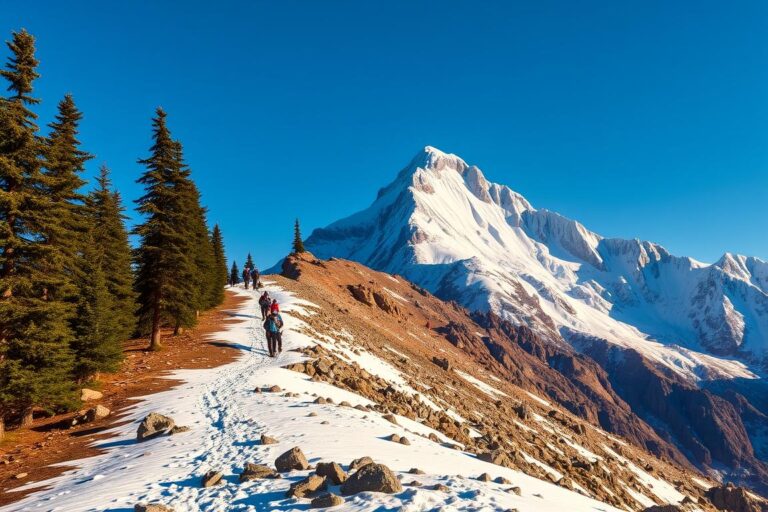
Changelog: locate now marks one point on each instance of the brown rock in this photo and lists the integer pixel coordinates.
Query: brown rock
(332, 472)
(302, 488)
(327, 500)
(154, 425)
(268, 440)
(178, 429)
(257, 471)
(374, 478)
(275, 389)
(152, 507)
(358, 463)
(293, 459)
(485, 477)
(733, 499)
(212, 478)
(90, 394)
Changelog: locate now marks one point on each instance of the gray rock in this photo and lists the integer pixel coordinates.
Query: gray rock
(154, 425)
(372, 478)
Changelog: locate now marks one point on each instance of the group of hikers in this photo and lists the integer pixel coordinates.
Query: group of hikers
(251, 275)
(273, 323)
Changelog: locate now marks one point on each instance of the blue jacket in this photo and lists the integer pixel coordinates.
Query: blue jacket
(273, 324)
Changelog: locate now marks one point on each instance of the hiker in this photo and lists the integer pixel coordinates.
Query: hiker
(255, 278)
(264, 302)
(274, 307)
(246, 276)
(272, 326)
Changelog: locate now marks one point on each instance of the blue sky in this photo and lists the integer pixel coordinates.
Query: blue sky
(641, 119)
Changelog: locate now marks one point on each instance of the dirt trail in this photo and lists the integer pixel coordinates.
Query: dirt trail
(35, 451)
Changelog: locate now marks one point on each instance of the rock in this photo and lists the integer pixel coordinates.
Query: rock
(514, 490)
(306, 486)
(275, 389)
(332, 472)
(390, 418)
(95, 413)
(394, 438)
(212, 478)
(405, 441)
(440, 487)
(87, 395)
(502, 480)
(497, 457)
(320, 400)
(327, 500)
(442, 363)
(415, 471)
(312, 414)
(733, 499)
(374, 478)
(257, 471)
(268, 440)
(178, 429)
(152, 507)
(344, 403)
(293, 459)
(485, 477)
(20, 476)
(154, 425)
(664, 508)
(358, 463)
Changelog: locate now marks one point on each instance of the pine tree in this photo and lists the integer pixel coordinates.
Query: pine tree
(234, 274)
(220, 271)
(105, 209)
(98, 331)
(298, 245)
(249, 262)
(35, 336)
(165, 290)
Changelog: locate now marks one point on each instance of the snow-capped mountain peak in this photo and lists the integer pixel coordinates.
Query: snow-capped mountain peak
(443, 225)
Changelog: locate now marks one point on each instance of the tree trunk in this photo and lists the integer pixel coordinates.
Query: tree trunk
(2, 427)
(178, 330)
(154, 340)
(26, 418)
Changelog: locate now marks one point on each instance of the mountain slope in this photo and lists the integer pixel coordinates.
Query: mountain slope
(442, 225)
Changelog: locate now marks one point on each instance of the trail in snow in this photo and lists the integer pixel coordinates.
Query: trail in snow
(227, 418)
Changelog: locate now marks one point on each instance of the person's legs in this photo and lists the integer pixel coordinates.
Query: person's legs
(279, 340)
(271, 344)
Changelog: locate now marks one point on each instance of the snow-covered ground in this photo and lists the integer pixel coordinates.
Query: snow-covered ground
(227, 419)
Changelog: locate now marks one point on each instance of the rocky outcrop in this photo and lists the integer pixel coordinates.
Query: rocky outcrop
(734, 499)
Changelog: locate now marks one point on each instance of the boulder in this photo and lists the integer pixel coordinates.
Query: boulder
(268, 440)
(327, 500)
(275, 389)
(154, 425)
(415, 471)
(178, 429)
(442, 363)
(332, 472)
(87, 395)
(372, 478)
(514, 490)
(485, 477)
(440, 487)
(96, 413)
(152, 507)
(307, 486)
(405, 441)
(257, 471)
(358, 463)
(664, 508)
(394, 438)
(212, 478)
(293, 459)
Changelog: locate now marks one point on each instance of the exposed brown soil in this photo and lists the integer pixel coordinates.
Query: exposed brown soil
(50, 440)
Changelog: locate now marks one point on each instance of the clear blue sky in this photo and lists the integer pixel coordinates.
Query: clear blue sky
(641, 119)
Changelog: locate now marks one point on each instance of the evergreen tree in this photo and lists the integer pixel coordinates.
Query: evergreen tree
(234, 274)
(220, 271)
(104, 207)
(298, 245)
(35, 336)
(164, 267)
(249, 262)
(98, 331)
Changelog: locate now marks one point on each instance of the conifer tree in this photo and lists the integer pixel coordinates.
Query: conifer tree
(105, 209)
(35, 336)
(234, 274)
(166, 293)
(97, 343)
(249, 262)
(220, 270)
(298, 245)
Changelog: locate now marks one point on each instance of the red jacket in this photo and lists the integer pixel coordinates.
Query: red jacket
(274, 308)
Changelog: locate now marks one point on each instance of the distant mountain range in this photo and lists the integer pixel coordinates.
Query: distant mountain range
(695, 334)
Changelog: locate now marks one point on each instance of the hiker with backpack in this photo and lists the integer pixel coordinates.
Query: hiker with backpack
(255, 278)
(264, 302)
(274, 307)
(246, 276)
(272, 326)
